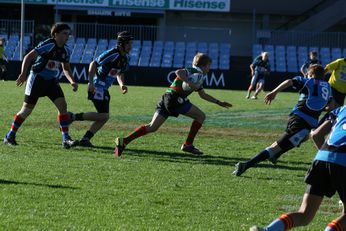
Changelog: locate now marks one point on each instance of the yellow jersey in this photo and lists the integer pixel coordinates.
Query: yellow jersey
(338, 78)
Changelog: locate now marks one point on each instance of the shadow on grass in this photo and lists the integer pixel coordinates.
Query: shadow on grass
(181, 157)
(37, 184)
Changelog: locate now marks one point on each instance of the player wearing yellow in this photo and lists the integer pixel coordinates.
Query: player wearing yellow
(337, 79)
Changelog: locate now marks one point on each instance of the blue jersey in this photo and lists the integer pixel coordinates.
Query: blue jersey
(314, 96)
(49, 59)
(109, 64)
(334, 149)
(309, 62)
(259, 64)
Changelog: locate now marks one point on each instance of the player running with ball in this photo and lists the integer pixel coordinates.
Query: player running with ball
(175, 102)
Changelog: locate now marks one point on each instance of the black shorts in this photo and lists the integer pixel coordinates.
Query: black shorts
(296, 132)
(102, 104)
(37, 87)
(173, 105)
(324, 179)
(338, 96)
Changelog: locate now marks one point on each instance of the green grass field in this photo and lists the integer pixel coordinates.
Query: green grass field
(154, 186)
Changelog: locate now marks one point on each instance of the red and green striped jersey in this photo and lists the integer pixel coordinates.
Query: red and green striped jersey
(177, 85)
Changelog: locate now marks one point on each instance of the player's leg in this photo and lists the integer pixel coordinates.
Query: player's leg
(259, 88)
(18, 120)
(156, 122)
(33, 90)
(304, 216)
(339, 176)
(252, 85)
(100, 118)
(198, 117)
(64, 120)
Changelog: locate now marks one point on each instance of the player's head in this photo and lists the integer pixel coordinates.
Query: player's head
(125, 40)
(265, 55)
(202, 61)
(313, 55)
(59, 27)
(316, 71)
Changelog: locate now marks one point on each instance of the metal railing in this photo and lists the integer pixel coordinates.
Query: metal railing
(301, 38)
(144, 32)
(12, 27)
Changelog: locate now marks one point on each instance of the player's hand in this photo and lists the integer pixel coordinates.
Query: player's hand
(91, 87)
(124, 89)
(269, 97)
(224, 104)
(21, 79)
(74, 86)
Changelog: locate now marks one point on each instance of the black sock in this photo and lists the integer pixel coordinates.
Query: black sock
(88, 135)
(79, 116)
(258, 158)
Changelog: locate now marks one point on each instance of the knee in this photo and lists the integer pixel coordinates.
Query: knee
(24, 112)
(201, 117)
(150, 128)
(104, 117)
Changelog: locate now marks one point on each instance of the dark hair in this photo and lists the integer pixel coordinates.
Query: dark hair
(124, 37)
(316, 71)
(58, 27)
(314, 53)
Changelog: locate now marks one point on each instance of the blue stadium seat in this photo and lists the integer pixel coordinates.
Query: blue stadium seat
(302, 55)
(256, 50)
(202, 47)
(336, 53)
(325, 55)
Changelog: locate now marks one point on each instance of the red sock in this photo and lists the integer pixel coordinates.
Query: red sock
(140, 131)
(63, 120)
(335, 226)
(287, 220)
(195, 126)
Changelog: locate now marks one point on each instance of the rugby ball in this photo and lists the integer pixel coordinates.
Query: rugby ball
(196, 78)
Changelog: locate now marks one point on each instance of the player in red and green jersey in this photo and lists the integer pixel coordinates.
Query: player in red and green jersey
(175, 102)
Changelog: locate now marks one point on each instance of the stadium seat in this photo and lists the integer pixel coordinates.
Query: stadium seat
(336, 53)
(325, 55)
(302, 55)
(256, 50)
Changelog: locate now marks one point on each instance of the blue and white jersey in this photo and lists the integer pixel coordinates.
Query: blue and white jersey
(49, 59)
(109, 64)
(308, 63)
(259, 64)
(314, 96)
(334, 149)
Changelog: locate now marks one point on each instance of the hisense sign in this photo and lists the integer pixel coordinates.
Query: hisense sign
(200, 5)
(79, 2)
(193, 5)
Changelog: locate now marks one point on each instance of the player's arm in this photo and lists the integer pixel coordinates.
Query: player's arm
(302, 69)
(91, 74)
(318, 135)
(25, 66)
(252, 69)
(66, 67)
(121, 81)
(211, 99)
(183, 75)
(331, 66)
(271, 95)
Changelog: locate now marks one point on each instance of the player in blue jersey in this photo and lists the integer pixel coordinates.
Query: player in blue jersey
(315, 95)
(260, 67)
(313, 59)
(108, 67)
(42, 81)
(325, 177)
(175, 102)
